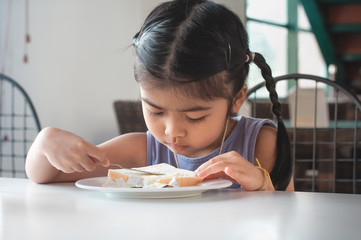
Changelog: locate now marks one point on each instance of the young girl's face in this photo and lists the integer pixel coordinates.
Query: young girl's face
(190, 127)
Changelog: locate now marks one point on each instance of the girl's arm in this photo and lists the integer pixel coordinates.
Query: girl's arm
(57, 155)
(266, 151)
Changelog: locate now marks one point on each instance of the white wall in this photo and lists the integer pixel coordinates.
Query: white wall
(79, 60)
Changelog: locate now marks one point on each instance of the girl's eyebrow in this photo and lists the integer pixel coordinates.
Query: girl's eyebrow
(191, 109)
(151, 104)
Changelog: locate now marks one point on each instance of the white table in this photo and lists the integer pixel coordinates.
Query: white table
(63, 211)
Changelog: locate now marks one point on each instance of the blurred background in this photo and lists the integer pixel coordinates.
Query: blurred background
(74, 57)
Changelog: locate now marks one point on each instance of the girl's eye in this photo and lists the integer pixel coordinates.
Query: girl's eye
(196, 120)
(156, 114)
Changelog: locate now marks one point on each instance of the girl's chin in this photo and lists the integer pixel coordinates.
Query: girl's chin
(189, 154)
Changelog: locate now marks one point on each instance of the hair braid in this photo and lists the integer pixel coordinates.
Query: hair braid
(282, 171)
(270, 84)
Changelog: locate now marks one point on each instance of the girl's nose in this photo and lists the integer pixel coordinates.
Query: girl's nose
(174, 128)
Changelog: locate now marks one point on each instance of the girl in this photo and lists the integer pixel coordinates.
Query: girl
(192, 60)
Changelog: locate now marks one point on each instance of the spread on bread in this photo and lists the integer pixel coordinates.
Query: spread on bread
(171, 177)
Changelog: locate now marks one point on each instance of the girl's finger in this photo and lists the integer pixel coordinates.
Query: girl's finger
(222, 157)
(88, 163)
(97, 155)
(215, 167)
(219, 175)
(77, 168)
(232, 174)
(203, 166)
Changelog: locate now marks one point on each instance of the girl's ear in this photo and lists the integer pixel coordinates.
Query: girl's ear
(239, 99)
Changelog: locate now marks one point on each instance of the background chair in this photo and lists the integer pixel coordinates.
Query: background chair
(19, 125)
(129, 116)
(326, 153)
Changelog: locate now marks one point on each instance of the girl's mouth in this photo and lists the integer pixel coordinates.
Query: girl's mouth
(176, 147)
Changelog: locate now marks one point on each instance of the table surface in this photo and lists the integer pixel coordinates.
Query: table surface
(63, 211)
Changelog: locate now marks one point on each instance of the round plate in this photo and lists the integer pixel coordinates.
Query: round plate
(96, 184)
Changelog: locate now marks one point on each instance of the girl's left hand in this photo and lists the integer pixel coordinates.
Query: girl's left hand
(232, 166)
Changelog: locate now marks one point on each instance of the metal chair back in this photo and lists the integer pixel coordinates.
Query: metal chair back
(323, 121)
(19, 125)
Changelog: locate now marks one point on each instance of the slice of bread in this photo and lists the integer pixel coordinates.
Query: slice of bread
(181, 176)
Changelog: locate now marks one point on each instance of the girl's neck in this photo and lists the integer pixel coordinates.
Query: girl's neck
(231, 125)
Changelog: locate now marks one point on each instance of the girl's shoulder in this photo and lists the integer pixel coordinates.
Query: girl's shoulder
(247, 128)
(251, 122)
(244, 135)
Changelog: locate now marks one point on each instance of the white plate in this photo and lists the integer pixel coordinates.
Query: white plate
(97, 183)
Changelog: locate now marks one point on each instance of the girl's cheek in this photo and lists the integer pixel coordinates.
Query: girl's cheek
(154, 126)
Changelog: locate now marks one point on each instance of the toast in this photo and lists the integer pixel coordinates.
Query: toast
(172, 176)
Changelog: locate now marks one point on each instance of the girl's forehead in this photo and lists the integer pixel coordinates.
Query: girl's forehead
(166, 94)
(170, 98)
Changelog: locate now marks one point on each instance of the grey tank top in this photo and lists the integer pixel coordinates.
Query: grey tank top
(242, 140)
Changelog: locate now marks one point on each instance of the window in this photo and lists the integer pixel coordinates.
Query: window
(280, 31)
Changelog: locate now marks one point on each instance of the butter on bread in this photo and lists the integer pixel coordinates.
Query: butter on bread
(183, 177)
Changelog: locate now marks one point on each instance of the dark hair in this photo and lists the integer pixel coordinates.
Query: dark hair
(201, 48)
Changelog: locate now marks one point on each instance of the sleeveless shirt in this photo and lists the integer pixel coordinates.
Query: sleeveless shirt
(242, 140)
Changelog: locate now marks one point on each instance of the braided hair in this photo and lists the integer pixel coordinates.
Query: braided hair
(200, 48)
(282, 172)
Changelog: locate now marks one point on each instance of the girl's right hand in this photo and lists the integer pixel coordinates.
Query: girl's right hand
(58, 156)
(68, 152)
(55, 151)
